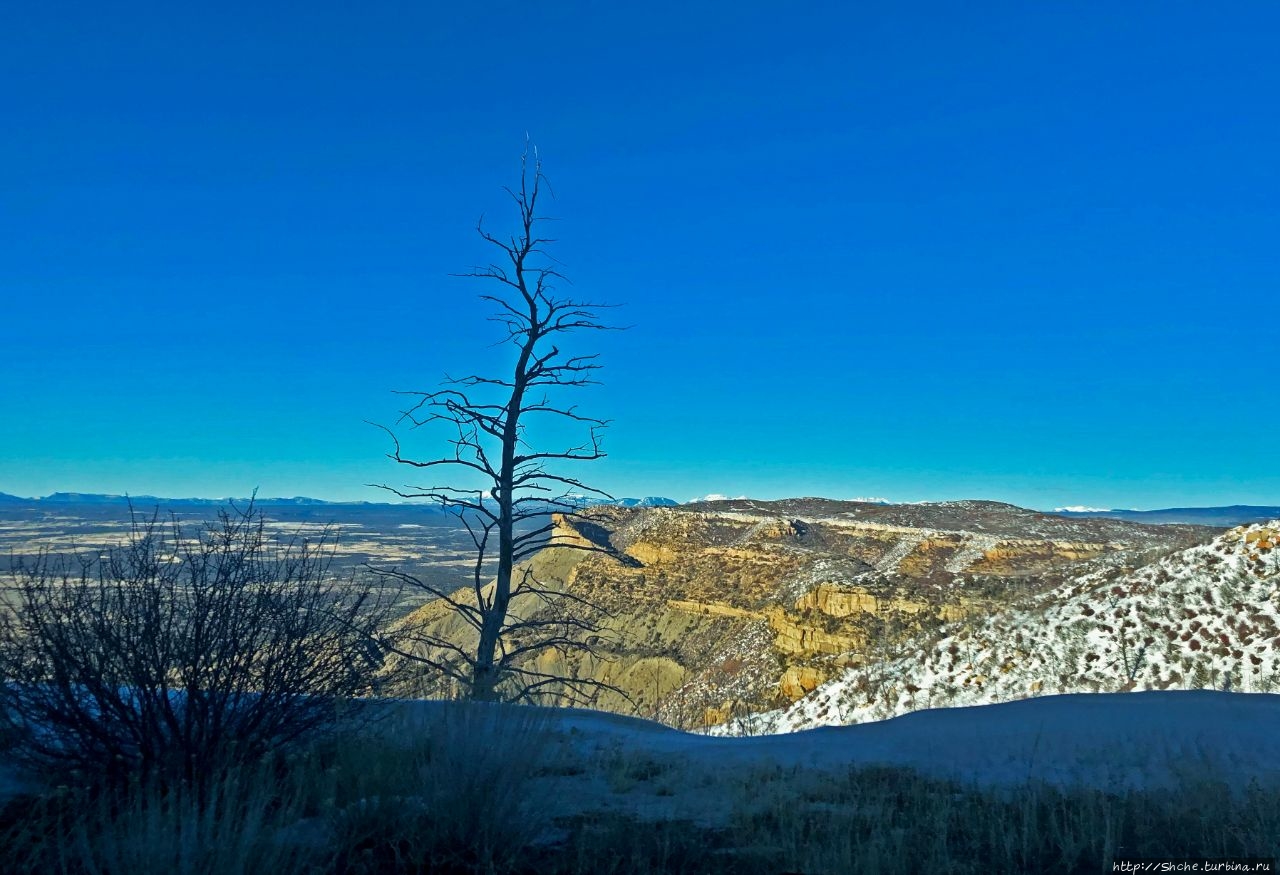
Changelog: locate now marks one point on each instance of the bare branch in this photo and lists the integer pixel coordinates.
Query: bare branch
(487, 421)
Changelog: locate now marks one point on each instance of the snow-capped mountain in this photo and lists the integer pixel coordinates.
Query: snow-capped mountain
(95, 498)
(1204, 617)
(87, 498)
(598, 501)
(647, 501)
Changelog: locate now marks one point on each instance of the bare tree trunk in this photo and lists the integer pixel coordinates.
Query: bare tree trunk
(489, 442)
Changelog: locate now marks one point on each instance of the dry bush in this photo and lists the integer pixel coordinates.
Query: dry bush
(178, 655)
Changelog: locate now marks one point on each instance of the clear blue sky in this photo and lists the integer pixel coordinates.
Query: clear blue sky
(1022, 251)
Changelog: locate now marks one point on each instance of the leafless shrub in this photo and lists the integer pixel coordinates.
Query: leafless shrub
(177, 655)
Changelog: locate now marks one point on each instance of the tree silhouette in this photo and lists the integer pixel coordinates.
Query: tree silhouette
(507, 489)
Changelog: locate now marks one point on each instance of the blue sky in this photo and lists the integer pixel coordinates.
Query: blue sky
(924, 251)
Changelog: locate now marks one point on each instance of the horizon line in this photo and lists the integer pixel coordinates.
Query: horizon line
(1061, 509)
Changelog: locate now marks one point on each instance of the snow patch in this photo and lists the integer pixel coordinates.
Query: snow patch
(1203, 618)
(1110, 741)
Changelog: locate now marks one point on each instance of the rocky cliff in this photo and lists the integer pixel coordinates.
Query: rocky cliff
(1207, 617)
(715, 610)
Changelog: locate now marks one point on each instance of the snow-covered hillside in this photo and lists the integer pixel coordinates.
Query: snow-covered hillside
(1205, 617)
(1105, 741)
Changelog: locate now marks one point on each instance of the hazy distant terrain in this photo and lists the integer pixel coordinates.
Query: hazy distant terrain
(418, 539)
(1233, 515)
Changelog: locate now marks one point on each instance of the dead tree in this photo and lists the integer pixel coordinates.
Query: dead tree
(507, 489)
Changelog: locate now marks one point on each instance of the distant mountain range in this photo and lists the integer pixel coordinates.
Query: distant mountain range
(647, 501)
(1221, 517)
(152, 500)
(63, 498)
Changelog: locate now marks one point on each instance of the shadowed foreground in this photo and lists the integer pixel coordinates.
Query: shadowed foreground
(1054, 784)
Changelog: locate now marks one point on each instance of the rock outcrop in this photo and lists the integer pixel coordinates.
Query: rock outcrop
(714, 610)
(1207, 616)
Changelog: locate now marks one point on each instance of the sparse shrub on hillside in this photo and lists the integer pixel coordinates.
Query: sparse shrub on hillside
(177, 655)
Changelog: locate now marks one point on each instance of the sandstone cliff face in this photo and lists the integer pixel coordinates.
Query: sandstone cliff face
(801, 636)
(839, 602)
(712, 611)
(799, 681)
(1207, 616)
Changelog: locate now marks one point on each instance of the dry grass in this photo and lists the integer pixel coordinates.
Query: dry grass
(894, 820)
(447, 791)
(496, 790)
(237, 827)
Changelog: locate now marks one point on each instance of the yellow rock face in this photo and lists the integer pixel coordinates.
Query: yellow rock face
(714, 716)
(799, 681)
(795, 638)
(648, 553)
(1018, 557)
(840, 602)
(1262, 540)
(564, 533)
(706, 615)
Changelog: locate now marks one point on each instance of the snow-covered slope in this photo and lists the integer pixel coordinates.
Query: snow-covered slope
(1147, 740)
(1205, 617)
(1106, 741)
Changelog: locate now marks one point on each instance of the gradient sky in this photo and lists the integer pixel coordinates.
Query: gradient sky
(1021, 251)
